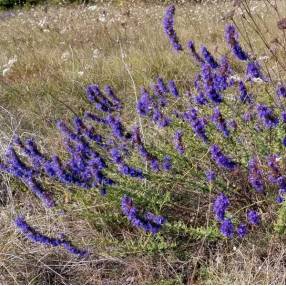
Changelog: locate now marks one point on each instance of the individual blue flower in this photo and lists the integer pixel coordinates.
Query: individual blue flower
(221, 159)
(160, 119)
(198, 124)
(220, 122)
(275, 169)
(157, 219)
(245, 97)
(95, 96)
(283, 116)
(227, 228)
(231, 37)
(267, 116)
(220, 205)
(38, 237)
(194, 53)
(167, 163)
(161, 85)
(173, 88)
(241, 230)
(178, 142)
(253, 70)
(154, 164)
(201, 99)
(144, 103)
(281, 91)
(150, 223)
(130, 171)
(208, 57)
(115, 100)
(255, 175)
(168, 24)
(210, 175)
(253, 217)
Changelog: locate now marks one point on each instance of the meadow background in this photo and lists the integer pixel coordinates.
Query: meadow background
(48, 55)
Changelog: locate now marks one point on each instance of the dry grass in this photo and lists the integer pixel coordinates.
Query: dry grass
(60, 50)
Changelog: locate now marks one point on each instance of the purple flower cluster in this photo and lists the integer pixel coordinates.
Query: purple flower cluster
(220, 122)
(210, 175)
(208, 57)
(221, 159)
(194, 53)
(281, 91)
(245, 97)
(220, 205)
(173, 88)
(15, 166)
(178, 142)
(208, 77)
(267, 116)
(149, 222)
(227, 228)
(255, 175)
(123, 167)
(253, 70)
(253, 217)
(38, 237)
(144, 103)
(143, 152)
(99, 100)
(168, 24)
(150, 106)
(198, 124)
(231, 37)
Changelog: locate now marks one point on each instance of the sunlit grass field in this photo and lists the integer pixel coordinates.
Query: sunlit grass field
(48, 55)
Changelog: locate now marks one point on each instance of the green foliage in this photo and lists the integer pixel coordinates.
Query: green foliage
(280, 225)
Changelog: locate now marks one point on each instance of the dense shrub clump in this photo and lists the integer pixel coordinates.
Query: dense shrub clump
(238, 135)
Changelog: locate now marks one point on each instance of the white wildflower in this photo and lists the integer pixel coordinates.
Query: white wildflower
(43, 22)
(95, 53)
(235, 77)
(7, 67)
(258, 80)
(263, 58)
(65, 56)
(102, 18)
(92, 8)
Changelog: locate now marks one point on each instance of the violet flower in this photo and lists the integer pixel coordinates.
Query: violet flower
(220, 122)
(220, 205)
(144, 103)
(221, 159)
(245, 97)
(231, 37)
(168, 24)
(194, 53)
(255, 175)
(173, 88)
(35, 236)
(241, 230)
(150, 222)
(197, 124)
(267, 116)
(253, 217)
(227, 228)
(178, 142)
(209, 58)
